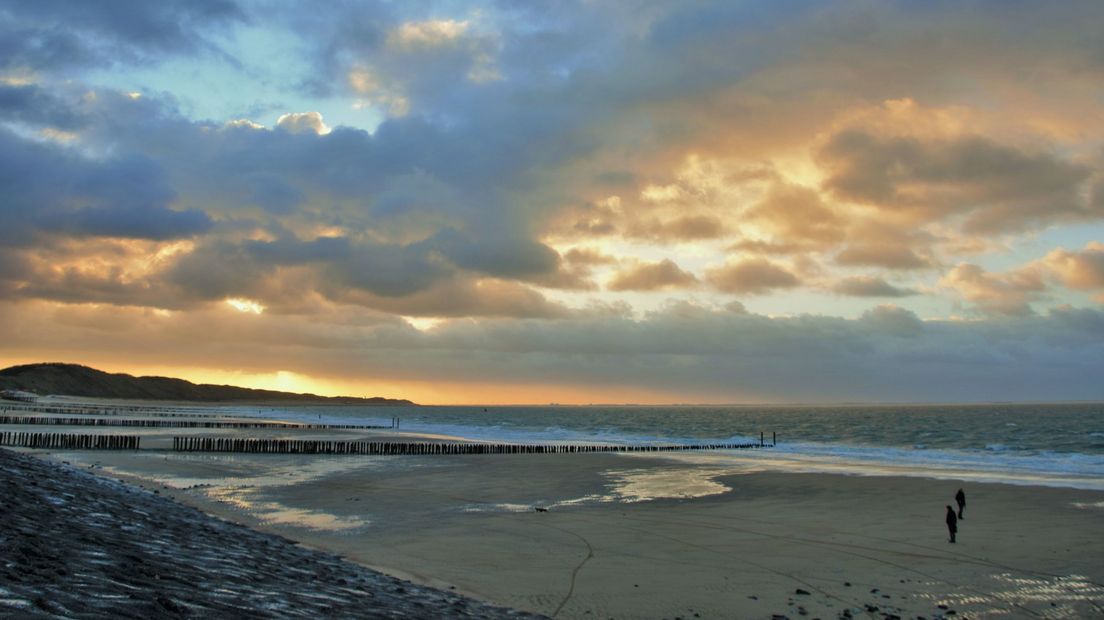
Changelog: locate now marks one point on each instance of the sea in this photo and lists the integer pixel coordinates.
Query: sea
(1038, 444)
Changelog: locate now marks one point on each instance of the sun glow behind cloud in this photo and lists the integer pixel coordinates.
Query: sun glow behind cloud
(245, 305)
(565, 198)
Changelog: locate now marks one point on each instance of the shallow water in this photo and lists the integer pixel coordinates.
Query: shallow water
(1048, 444)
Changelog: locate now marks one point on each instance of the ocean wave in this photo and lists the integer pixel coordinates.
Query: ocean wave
(1035, 450)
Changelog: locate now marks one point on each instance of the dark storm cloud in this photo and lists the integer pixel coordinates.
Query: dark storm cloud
(431, 277)
(136, 222)
(215, 271)
(49, 189)
(495, 255)
(34, 105)
(387, 271)
(62, 34)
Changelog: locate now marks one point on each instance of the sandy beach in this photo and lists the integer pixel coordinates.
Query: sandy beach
(74, 545)
(645, 537)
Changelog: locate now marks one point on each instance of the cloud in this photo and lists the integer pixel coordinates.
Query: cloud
(51, 190)
(751, 276)
(216, 271)
(877, 254)
(869, 286)
(996, 293)
(677, 353)
(881, 244)
(687, 228)
(995, 187)
(36, 106)
(458, 297)
(301, 122)
(588, 256)
(515, 132)
(893, 320)
(797, 214)
(154, 223)
(60, 35)
(494, 255)
(663, 275)
(441, 276)
(1081, 270)
(427, 34)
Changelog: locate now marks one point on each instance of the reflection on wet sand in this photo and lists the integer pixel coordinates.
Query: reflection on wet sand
(735, 462)
(1007, 592)
(641, 485)
(628, 486)
(274, 513)
(712, 538)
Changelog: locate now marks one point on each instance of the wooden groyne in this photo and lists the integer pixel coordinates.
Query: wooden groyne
(69, 441)
(306, 446)
(147, 423)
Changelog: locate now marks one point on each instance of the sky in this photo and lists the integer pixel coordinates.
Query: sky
(571, 202)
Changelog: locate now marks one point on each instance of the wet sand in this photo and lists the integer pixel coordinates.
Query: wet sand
(644, 537)
(74, 545)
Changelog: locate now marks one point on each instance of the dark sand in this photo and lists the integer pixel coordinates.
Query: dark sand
(855, 546)
(77, 545)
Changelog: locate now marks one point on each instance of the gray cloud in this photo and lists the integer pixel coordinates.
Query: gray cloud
(49, 189)
(886, 355)
(891, 320)
(1008, 293)
(59, 34)
(869, 286)
(996, 187)
(445, 211)
(34, 105)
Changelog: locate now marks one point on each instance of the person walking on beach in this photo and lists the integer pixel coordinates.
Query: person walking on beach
(960, 499)
(952, 523)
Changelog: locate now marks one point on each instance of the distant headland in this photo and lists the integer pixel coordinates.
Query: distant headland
(77, 380)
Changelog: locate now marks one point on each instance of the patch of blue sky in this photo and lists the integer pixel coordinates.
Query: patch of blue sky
(265, 78)
(1024, 248)
(1073, 237)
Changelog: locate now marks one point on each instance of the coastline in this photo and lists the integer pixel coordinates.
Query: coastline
(743, 549)
(79, 545)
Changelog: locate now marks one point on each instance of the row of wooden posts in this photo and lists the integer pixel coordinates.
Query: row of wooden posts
(133, 422)
(309, 446)
(70, 442)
